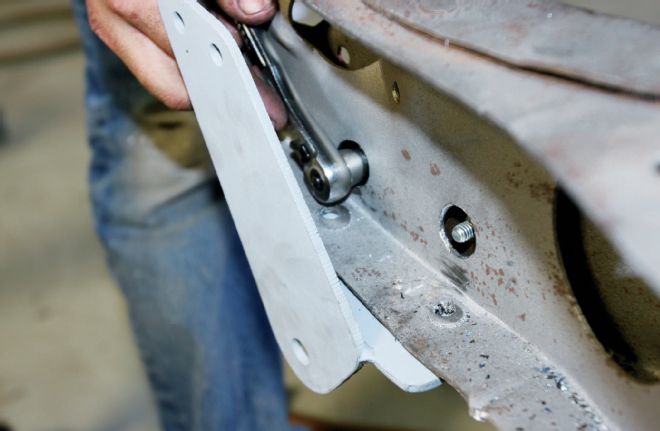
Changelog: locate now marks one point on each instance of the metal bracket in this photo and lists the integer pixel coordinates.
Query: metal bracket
(322, 329)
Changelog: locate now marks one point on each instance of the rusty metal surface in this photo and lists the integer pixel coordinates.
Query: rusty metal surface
(543, 35)
(601, 146)
(521, 353)
(493, 140)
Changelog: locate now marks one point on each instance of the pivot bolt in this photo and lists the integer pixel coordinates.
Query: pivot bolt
(462, 232)
(317, 181)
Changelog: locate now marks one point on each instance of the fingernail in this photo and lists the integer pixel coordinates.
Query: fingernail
(251, 7)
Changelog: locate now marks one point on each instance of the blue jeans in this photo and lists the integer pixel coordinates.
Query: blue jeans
(171, 245)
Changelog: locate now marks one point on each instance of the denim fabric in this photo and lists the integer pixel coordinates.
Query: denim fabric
(172, 246)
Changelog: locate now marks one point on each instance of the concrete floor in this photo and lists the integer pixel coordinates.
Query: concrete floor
(67, 357)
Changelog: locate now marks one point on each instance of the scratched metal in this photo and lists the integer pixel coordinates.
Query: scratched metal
(542, 34)
(518, 315)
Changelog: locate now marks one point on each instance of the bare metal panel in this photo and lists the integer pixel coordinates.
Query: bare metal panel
(543, 35)
(601, 146)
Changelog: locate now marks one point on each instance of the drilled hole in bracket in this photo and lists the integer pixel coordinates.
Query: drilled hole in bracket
(216, 54)
(179, 23)
(300, 352)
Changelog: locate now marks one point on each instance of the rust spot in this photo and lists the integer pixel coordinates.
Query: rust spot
(405, 154)
(490, 269)
(419, 345)
(499, 410)
(537, 5)
(492, 296)
(522, 317)
(390, 215)
(435, 169)
(559, 285)
(542, 191)
(517, 31)
(500, 281)
(513, 179)
(414, 235)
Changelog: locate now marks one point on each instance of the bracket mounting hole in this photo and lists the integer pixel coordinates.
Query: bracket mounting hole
(457, 232)
(300, 352)
(216, 54)
(179, 23)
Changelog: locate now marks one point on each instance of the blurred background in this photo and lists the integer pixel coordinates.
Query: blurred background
(67, 357)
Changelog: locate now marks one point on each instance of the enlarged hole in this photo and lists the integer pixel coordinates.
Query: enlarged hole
(216, 54)
(179, 23)
(300, 352)
(457, 232)
(619, 305)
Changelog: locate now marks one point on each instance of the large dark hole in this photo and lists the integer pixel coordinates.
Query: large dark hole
(620, 308)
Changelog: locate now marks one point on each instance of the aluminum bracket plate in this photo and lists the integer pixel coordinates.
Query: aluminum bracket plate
(321, 327)
(300, 290)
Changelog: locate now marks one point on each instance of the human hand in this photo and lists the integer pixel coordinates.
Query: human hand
(133, 30)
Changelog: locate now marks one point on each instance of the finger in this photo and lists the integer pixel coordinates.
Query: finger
(249, 11)
(153, 67)
(272, 101)
(145, 16)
